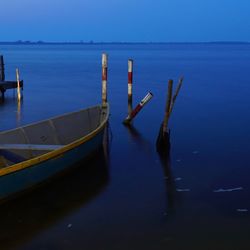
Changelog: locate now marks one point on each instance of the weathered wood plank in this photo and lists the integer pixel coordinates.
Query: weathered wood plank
(10, 84)
(2, 74)
(30, 147)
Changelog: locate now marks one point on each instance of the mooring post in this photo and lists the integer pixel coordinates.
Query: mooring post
(130, 107)
(137, 109)
(168, 105)
(163, 139)
(130, 81)
(18, 85)
(104, 79)
(2, 73)
(176, 94)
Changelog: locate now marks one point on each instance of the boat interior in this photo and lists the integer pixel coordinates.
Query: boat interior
(33, 140)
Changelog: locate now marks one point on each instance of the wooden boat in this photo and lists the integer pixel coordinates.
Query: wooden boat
(33, 153)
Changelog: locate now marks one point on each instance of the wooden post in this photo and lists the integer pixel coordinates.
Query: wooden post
(130, 107)
(176, 94)
(104, 79)
(163, 139)
(130, 81)
(168, 105)
(18, 85)
(137, 109)
(2, 73)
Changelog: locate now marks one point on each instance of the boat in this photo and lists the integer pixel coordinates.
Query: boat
(31, 154)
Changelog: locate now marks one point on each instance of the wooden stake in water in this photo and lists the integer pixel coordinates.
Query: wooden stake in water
(2, 73)
(176, 94)
(130, 107)
(18, 85)
(168, 105)
(163, 139)
(137, 109)
(104, 79)
(130, 81)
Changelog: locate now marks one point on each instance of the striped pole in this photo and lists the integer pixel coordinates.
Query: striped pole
(137, 109)
(130, 107)
(18, 85)
(104, 79)
(130, 80)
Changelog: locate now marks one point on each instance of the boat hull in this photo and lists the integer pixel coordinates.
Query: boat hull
(26, 178)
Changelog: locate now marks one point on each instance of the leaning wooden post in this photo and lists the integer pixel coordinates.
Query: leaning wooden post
(2, 73)
(130, 81)
(176, 94)
(104, 79)
(137, 109)
(168, 106)
(163, 139)
(18, 85)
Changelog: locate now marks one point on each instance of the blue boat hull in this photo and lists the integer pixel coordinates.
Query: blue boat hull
(23, 179)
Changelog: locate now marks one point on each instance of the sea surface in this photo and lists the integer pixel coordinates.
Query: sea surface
(131, 198)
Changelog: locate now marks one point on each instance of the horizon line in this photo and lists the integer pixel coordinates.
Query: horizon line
(40, 42)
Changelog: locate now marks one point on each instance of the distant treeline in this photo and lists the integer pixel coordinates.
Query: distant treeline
(20, 42)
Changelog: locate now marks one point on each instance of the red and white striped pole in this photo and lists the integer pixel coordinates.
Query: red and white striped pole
(137, 109)
(104, 79)
(130, 79)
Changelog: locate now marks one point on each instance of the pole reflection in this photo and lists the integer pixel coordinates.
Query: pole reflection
(163, 150)
(137, 137)
(18, 113)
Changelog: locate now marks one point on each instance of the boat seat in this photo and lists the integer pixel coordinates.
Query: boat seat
(43, 147)
(3, 162)
(8, 158)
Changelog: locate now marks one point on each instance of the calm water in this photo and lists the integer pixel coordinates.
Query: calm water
(200, 199)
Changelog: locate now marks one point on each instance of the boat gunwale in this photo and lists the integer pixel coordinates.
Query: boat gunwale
(57, 152)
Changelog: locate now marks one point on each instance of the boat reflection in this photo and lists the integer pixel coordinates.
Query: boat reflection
(41, 208)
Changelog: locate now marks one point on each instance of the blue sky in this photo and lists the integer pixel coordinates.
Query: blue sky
(125, 20)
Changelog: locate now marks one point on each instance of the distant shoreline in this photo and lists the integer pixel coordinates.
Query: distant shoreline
(115, 43)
